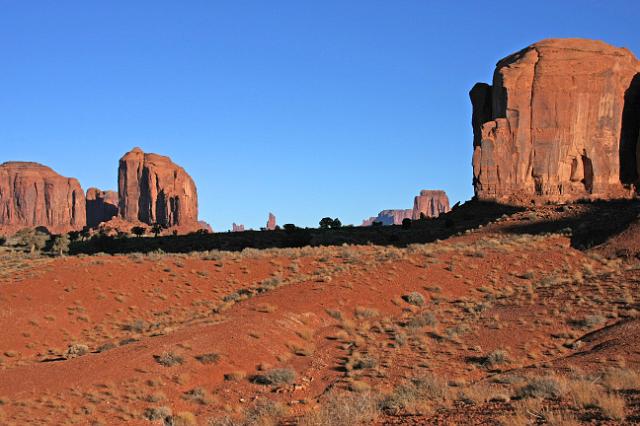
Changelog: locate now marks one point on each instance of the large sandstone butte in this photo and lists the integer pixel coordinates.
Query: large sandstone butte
(34, 195)
(102, 206)
(559, 123)
(430, 203)
(152, 189)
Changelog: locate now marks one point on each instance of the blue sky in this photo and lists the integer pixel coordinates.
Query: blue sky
(303, 108)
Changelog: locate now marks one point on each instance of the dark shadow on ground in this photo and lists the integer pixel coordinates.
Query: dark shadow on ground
(467, 216)
(591, 223)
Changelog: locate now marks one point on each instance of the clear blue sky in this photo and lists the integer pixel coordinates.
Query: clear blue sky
(304, 108)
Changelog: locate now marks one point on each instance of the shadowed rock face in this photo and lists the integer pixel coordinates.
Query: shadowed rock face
(152, 189)
(559, 123)
(34, 195)
(102, 206)
(430, 203)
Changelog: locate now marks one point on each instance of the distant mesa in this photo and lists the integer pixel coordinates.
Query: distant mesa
(102, 206)
(271, 222)
(560, 123)
(389, 217)
(237, 228)
(430, 203)
(34, 195)
(153, 189)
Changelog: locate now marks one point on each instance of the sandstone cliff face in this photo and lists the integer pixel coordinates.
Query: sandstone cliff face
(152, 189)
(102, 206)
(34, 195)
(237, 228)
(559, 123)
(430, 203)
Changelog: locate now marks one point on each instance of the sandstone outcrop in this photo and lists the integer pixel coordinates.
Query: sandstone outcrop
(152, 189)
(559, 123)
(430, 203)
(34, 195)
(237, 228)
(102, 206)
(271, 222)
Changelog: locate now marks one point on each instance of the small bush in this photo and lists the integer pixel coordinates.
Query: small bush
(210, 358)
(341, 408)
(265, 413)
(277, 376)
(76, 350)
(611, 406)
(422, 320)
(416, 391)
(541, 387)
(414, 298)
(157, 413)
(497, 357)
(235, 376)
(169, 359)
(184, 418)
(406, 223)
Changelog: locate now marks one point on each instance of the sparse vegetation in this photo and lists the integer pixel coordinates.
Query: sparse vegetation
(169, 359)
(277, 376)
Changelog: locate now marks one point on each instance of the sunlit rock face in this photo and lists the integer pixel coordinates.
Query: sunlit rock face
(153, 189)
(34, 195)
(559, 123)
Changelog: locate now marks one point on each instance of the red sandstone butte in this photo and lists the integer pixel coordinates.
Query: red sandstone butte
(430, 203)
(152, 189)
(34, 195)
(102, 206)
(237, 228)
(559, 123)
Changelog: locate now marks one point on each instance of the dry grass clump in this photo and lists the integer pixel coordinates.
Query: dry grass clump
(235, 376)
(157, 413)
(169, 359)
(414, 298)
(76, 350)
(424, 319)
(496, 358)
(264, 413)
(183, 418)
(413, 394)
(276, 376)
(621, 379)
(541, 387)
(341, 408)
(210, 358)
(198, 395)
